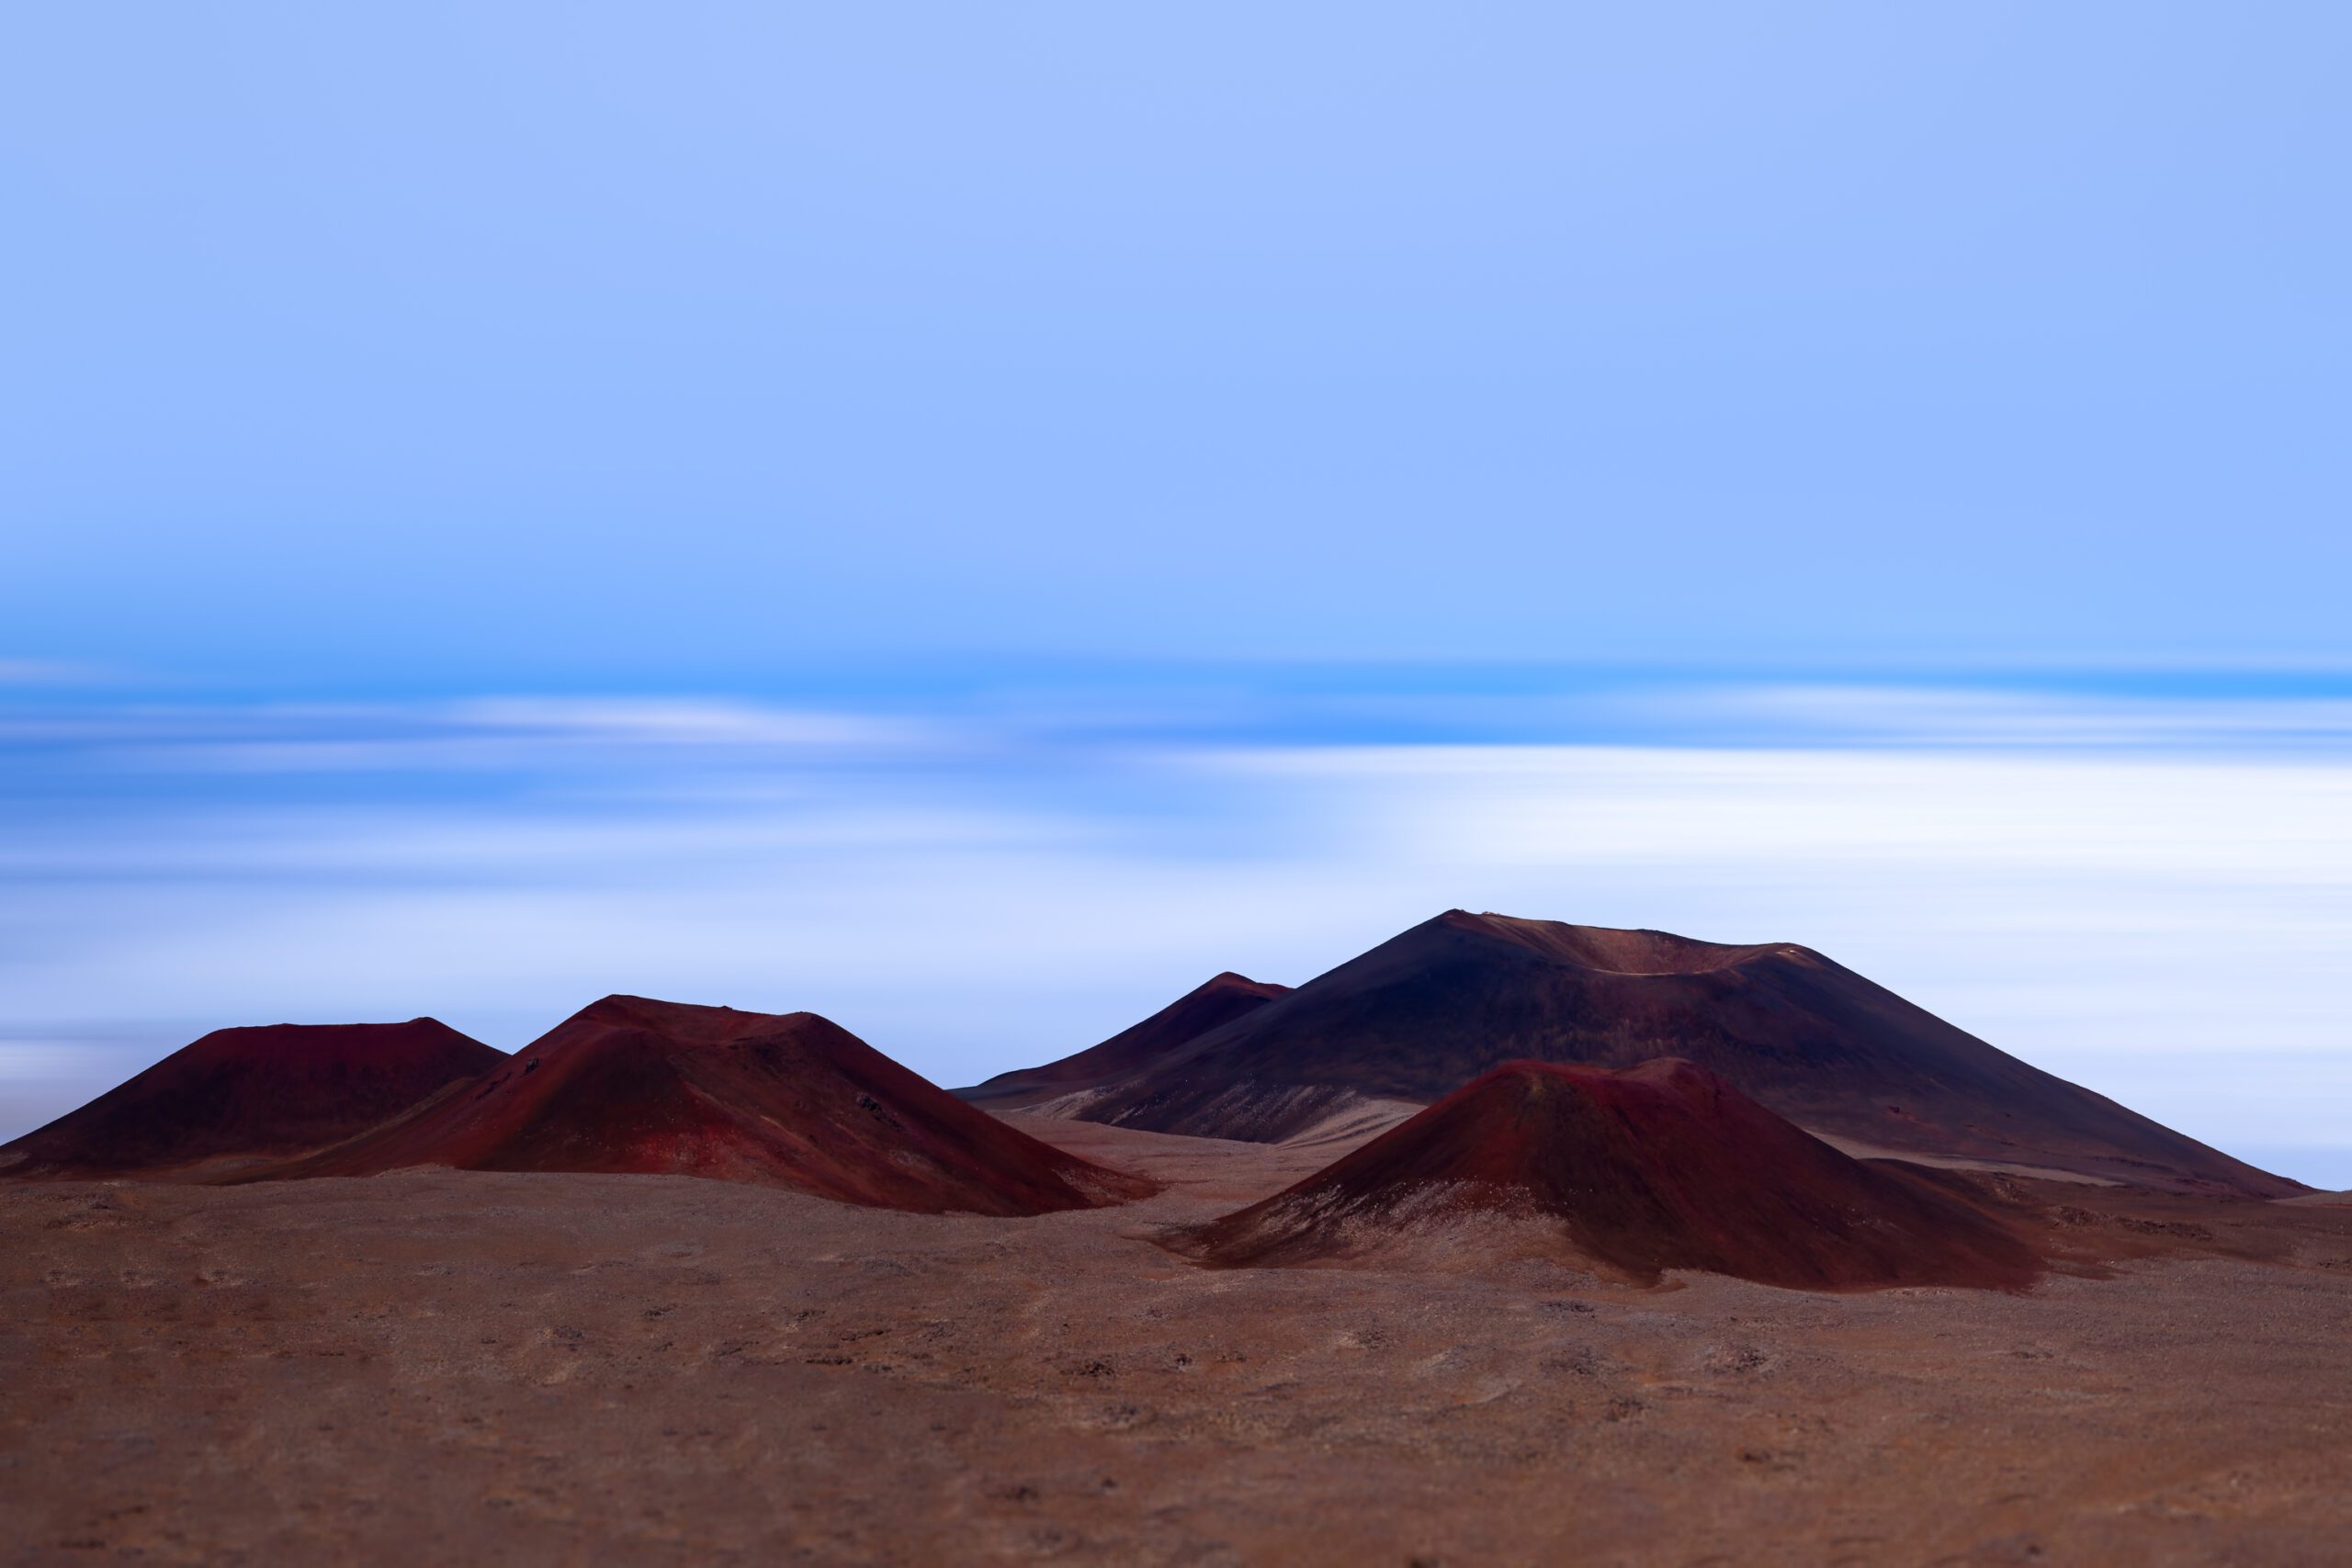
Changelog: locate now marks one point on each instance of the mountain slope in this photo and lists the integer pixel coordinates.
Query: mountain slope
(1133, 1049)
(252, 1094)
(1428, 1010)
(1661, 1166)
(791, 1100)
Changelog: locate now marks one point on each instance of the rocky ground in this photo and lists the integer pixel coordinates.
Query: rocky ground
(474, 1369)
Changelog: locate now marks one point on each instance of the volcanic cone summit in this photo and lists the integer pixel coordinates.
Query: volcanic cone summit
(245, 1095)
(1134, 1049)
(791, 1100)
(1426, 1011)
(1660, 1166)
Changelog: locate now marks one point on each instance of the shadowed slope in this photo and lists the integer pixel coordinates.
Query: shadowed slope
(252, 1094)
(792, 1099)
(1133, 1049)
(1428, 1010)
(1662, 1165)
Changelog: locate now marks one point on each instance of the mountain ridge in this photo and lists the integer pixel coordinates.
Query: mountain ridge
(259, 1092)
(638, 1086)
(1634, 1171)
(1414, 1017)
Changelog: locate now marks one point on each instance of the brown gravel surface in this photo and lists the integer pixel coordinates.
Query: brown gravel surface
(479, 1368)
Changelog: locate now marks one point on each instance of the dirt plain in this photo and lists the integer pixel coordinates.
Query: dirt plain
(475, 1368)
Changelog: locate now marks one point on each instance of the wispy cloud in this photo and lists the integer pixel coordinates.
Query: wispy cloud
(480, 735)
(2158, 918)
(48, 673)
(1994, 718)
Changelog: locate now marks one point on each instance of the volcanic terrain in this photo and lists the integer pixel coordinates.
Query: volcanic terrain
(1657, 1166)
(1133, 1049)
(239, 1096)
(791, 1100)
(489, 1367)
(1425, 1012)
(1568, 1313)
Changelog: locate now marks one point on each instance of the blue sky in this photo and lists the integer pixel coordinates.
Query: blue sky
(473, 344)
(510, 470)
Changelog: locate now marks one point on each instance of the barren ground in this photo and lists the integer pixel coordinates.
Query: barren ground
(472, 1369)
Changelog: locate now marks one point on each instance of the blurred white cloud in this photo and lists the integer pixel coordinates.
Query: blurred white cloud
(1946, 717)
(48, 672)
(2164, 923)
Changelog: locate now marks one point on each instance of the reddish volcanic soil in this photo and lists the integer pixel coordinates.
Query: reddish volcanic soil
(1135, 1048)
(1537, 1352)
(1659, 1166)
(240, 1095)
(487, 1368)
(629, 1084)
(1427, 1012)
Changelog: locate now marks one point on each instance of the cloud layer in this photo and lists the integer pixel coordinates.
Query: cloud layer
(2104, 888)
